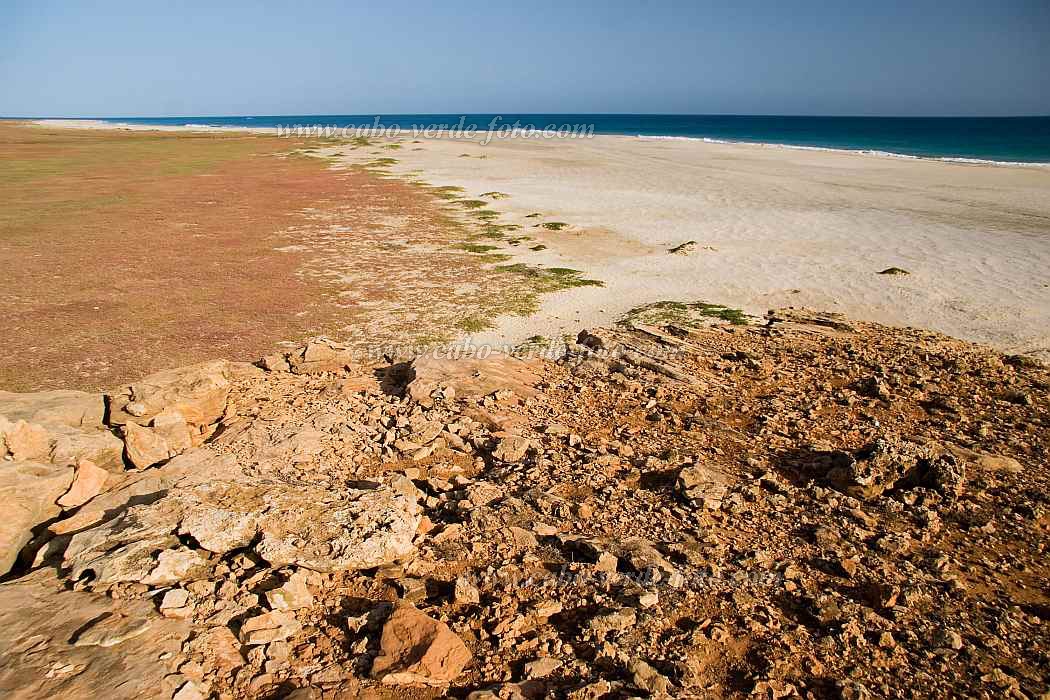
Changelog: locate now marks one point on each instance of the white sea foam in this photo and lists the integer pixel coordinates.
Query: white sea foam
(866, 152)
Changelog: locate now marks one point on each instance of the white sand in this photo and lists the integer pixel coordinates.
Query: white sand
(773, 226)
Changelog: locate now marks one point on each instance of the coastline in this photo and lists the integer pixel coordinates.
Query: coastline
(767, 227)
(205, 128)
(857, 151)
(771, 226)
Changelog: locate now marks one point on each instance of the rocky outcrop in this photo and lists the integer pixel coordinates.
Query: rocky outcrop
(471, 376)
(310, 527)
(668, 512)
(66, 644)
(60, 427)
(28, 492)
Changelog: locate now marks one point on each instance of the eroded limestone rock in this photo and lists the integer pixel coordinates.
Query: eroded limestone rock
(61, 427)
(313, 528)
(196, 393)
(72, 644)
(28, 494)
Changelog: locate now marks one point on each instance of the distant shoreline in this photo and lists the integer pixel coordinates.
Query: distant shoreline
(1002, 141)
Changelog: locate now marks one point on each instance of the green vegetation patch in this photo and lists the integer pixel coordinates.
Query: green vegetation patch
(551, 279)
(496, 231)
(554, 225)
(449, 192)
(474, 324)
(476, 247)
(495, 195)
(685, 314)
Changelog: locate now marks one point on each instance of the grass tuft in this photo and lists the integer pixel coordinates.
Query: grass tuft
(684, 314)
(474, 324)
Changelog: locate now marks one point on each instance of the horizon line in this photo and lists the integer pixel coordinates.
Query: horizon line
(596, 114)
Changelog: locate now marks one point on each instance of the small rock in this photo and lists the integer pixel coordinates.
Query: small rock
(275, 363)
(466, 593)
(293, 595)
(176, 604)
(648, 678)
(511, 449)
(703, 485)
(612, 621)
(950, 639)
(144, 447)
(87, 483)
(270, 627)
(541, 668)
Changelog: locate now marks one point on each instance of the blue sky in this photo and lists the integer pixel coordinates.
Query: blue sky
(889, 57)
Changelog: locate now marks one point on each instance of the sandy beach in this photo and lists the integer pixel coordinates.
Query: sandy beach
(763, 226)
(771, 227)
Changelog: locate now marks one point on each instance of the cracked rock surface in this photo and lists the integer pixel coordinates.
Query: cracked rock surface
(812, 507)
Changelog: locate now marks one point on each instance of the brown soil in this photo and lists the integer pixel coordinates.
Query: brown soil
(128, 252)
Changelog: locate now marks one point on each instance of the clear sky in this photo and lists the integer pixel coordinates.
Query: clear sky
(887, 57)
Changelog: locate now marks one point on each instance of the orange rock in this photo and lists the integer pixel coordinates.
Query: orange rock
(415, 648)
(87, 483)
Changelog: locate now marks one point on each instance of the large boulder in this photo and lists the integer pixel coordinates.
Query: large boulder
(28, 494)
(197, 393)
(471, 376)
(61, 427)
(417, 649)
(321, 355)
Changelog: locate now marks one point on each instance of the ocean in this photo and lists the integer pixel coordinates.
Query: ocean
(1000, 139)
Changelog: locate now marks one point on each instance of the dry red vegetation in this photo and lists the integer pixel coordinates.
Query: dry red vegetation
(128, 252)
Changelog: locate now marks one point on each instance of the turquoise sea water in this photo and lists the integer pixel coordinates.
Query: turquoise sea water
(1005, 139)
